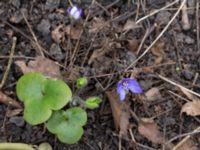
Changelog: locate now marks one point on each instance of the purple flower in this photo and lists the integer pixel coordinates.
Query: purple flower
(126, 85)
(75, 12)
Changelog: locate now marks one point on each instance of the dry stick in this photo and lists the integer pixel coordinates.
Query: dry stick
(22, 33)
(197, 130)
(185, 19)
(178, 85)
(197, 25)
(156, 11)
(9, 62)
(147, 33)
(158, 37)
(34, 37)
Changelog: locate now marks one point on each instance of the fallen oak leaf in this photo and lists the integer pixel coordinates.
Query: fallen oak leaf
(149, 129)
(191, 108)
(42, 65)
(120, 113)
(9, 101)
(157, 50)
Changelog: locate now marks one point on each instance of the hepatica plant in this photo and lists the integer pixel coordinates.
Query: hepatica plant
(43, 99)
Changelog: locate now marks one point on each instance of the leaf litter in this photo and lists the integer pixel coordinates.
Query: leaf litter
(191, 108)
(41, 65)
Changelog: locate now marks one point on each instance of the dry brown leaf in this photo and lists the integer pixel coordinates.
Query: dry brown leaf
(186, 145)
(120, 112)
(73, 74)
(153, 94)
(42, 65)
(100, 52)
(149, 129)
(73, 32)
(98, 24)
(132, 45)
(191, 108)
(9, 101)
(130, 25)
(58, 34)
(157, 50)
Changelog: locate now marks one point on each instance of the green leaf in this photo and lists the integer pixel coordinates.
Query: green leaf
(30, 86)
(41, 95)
(81, 82)
(69, 133)
(56, 93)
(76, 115)
(92, 102)
(36, 112)
(67, 125)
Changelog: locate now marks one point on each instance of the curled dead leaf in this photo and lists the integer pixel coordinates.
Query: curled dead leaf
(73, 32)
(191, 108)
(58, 34)
(149, 129)
(132, 45)
(42, 65)
(153, 94)
(130, 25)
(98, 24)
(157, 50)
(120, 112)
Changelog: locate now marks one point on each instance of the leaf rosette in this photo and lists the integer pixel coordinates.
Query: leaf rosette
(41, 95)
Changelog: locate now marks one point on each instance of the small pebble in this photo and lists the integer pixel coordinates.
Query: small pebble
(187, 74)
(44, 27)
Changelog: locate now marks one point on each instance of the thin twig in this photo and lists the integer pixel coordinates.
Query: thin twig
(197, 25)
(9, 62)
(178, 85)
(197, 130)
(34, 37)
(147, 33)
(158, 37)
(156, 11)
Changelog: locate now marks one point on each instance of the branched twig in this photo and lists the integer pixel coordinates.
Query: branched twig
(9, 62)
(197, 25)
(178, 85)
(156, 11)
(159, 36)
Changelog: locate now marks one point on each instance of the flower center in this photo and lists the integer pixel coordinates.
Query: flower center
(125, 84)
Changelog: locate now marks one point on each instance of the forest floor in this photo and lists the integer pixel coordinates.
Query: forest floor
(155, 42)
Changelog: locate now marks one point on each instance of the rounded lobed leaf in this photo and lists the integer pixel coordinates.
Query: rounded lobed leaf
(76, 115)
(56, 93)
(36, 112)
(70, 133)
(67, 125)
(41, 95)
(92, 102)
(30, 86)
